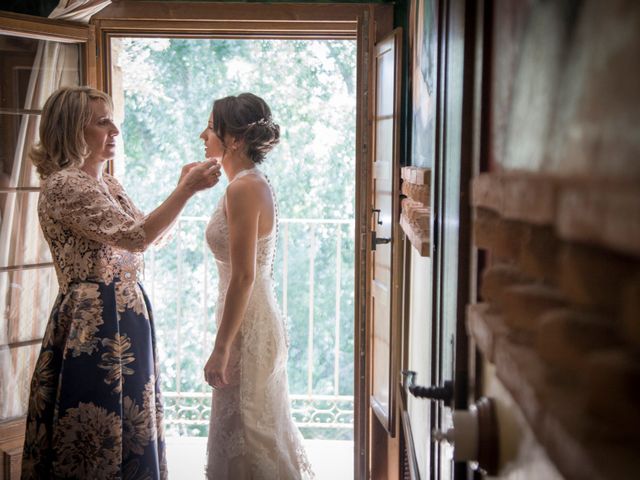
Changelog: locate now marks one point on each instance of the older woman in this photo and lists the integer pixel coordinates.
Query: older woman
(95, 409)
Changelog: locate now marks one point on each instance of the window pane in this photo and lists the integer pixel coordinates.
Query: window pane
(30, 70)
(16, 61)
(26, 298)
(16, 169)
(22, 240)
(23, 60)
(17, 367)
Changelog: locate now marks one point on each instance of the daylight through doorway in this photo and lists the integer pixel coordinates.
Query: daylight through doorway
(163, 91)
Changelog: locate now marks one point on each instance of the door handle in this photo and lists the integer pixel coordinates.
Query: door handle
(376, 216)
(444, 392)
(375, 240)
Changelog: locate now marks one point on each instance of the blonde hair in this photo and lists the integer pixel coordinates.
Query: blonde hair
(66, 113)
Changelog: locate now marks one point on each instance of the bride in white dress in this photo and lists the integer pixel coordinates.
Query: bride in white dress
(251, 432)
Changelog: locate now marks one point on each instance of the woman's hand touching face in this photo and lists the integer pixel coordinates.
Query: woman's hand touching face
(186, 169)
(199, 176)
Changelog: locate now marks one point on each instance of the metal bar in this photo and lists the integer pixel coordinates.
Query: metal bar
(285, 270)
(152, 254)
(179, 309)
(293, 396)
(205, 296)
(19, 111)
(346, 426)
(19, 189)
(312, 262)
(33, 266)
(336, 352)
(317, 221)
(23, 343)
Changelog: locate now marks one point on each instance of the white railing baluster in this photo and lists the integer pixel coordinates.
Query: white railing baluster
(312, 266)
(336, 366)
(179, 308)
(285, 269)
(153, 276)
(205, 298)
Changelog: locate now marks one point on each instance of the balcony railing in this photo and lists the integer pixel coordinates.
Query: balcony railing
(314, 257)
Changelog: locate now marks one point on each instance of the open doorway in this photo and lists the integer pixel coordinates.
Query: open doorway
(163, 89)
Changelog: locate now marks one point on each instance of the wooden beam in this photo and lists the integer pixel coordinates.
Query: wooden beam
(253, 12)
(217, 19)
(42, 28)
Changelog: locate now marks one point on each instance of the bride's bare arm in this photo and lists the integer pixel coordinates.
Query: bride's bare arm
(243, 202)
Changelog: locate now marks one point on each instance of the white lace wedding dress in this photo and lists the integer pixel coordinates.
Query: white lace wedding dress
(251, 432)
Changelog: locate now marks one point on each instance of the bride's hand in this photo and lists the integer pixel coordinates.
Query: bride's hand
(215, 370)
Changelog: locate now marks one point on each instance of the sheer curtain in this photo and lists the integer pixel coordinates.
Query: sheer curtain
(27, 294)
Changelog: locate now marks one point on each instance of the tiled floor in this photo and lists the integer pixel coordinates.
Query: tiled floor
(331, 459)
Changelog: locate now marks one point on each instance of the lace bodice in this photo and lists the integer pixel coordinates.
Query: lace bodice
(93, 228)
(217, 234)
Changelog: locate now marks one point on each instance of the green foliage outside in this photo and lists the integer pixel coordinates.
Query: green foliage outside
(169, 87)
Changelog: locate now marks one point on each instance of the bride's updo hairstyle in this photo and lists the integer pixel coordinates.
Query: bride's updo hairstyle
(246, 117)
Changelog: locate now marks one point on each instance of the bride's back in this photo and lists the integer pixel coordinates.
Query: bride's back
(217, 232)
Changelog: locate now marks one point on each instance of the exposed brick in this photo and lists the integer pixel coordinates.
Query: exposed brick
(529, 198)
(417, 175)
(484, 223)
(612, 392)
(601, 214)
(538, 255)
(523, 305)
(523, 373)
(487, 192)
(418, 238)
(417, 193)
(502, 237)
(485, 327)
(564, 337)
(417, 213)
(496, 278)
(593, 277)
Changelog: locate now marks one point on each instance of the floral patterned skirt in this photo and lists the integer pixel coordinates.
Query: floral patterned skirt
(95, 410)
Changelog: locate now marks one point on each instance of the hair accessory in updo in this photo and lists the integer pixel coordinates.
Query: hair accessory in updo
(263, 122)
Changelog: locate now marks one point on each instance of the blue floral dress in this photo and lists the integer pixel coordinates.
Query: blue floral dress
(95, 410)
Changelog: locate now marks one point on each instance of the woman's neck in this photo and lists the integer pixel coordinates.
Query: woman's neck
(93, 168)
(236, 165)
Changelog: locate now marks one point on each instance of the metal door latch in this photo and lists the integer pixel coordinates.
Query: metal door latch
(375, 240)
(444, 392)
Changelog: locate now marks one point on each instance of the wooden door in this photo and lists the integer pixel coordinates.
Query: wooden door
(385, 250)
(453, 267)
